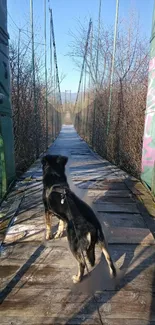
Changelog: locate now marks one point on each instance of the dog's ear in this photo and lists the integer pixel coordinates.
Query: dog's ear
(62, 160)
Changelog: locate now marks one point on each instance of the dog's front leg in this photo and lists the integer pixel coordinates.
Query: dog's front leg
(60, 230)
(48, 220)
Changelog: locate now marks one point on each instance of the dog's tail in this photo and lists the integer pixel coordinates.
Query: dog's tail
(104, 247)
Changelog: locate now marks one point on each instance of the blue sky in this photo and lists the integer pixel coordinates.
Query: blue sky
(66, 13)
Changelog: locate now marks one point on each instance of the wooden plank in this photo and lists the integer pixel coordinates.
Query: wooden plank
(128, 321)
(113, 207)
(58, 295)
(130, 236)
(121, 304)
(19, 254)
(14, 207)
(101, 185)
(31, 232)
(52, 269)
(83, 157)
(57, 277)
(29, 226)
(115, 235)
(109, 193)
(42, 307)
(88, 168)
(127, 305)
(116, 200)
(101, 168)
(97, 177)
(96, 174)
(9, 218)
(81, 164)
(122, 220)
(48, 320)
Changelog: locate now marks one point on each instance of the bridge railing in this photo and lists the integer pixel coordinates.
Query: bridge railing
(35, 115)
(109, 110)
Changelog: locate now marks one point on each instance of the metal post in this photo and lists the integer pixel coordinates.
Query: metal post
(34, 82)
(46, 103)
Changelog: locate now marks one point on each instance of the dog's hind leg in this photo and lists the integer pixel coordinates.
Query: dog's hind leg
(91, 255)
(77, 278)
(81, 267)
(108, 258)
(48, 217)
(60, 230)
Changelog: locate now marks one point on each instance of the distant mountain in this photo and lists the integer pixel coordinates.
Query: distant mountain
(73, 97)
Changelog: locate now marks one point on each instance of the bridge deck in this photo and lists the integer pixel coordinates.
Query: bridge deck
(35, 276)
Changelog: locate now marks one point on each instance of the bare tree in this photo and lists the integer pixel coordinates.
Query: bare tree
(123, 145)
(24, 119)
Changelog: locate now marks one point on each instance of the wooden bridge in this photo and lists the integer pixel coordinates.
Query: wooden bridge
(35, 275)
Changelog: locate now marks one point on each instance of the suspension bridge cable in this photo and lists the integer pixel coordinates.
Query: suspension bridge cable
(46, 102)
(85, 99)
(34, 79)
(113, 63)
(96, 75)
(98, 41)
(54, 100)
(21, 28)
(51, 86)
(18, 75)
(89, 81)
(12, 20)
(84, 58)
(55, 59)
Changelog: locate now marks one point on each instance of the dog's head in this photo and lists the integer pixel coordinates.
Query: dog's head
(54, 166)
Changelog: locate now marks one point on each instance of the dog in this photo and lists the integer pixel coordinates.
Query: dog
(84, 230)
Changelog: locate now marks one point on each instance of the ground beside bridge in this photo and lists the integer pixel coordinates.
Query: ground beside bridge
(35, 275)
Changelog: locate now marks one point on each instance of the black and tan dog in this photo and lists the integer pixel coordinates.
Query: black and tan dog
(83, 227)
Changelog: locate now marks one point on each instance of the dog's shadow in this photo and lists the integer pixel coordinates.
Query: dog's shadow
(99, 279)
(96, 280)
